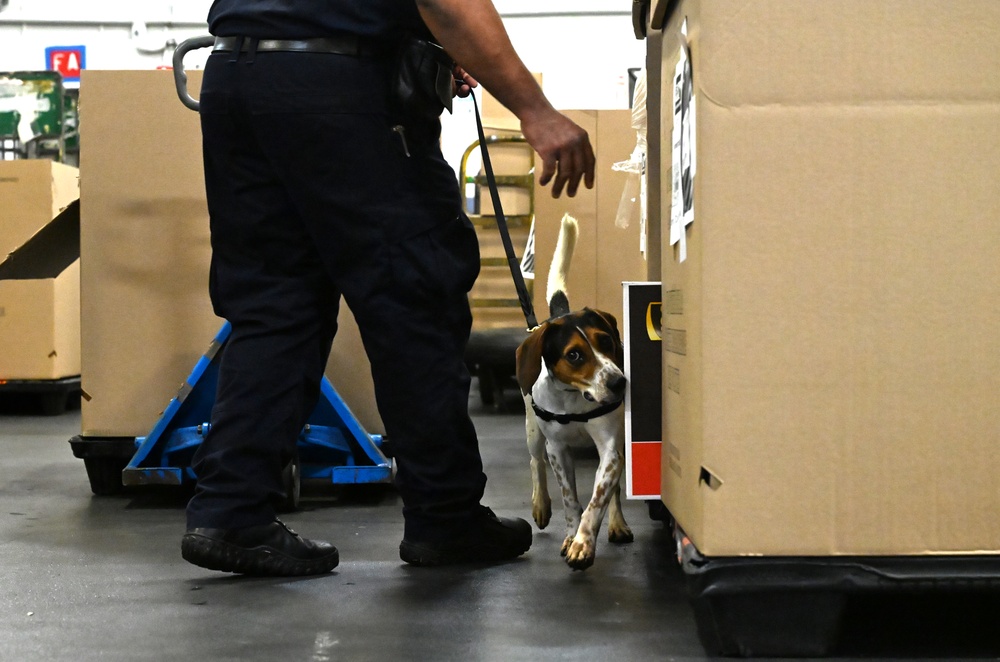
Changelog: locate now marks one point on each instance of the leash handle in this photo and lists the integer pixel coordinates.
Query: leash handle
(515, 266)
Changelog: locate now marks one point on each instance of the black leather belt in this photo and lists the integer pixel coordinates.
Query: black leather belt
(338, 45)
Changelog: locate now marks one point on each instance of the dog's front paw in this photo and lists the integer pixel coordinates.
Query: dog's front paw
(620, 533)
(541, 512)
(579, 553)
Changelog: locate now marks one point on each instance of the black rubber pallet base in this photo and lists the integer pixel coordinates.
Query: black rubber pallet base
(795, 606)
(49, 397)
(104, 458)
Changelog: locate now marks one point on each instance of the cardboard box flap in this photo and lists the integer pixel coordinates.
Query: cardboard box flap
(49, 252)
(849, 53)
(659, 12)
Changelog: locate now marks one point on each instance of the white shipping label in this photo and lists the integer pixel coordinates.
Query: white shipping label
(643, 197)
(683, 153)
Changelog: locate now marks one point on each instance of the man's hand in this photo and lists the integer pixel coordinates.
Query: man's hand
(472, 32)
(462, 83)
(564, 148)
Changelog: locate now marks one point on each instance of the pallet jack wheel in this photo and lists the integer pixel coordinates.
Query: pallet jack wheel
(291, 479)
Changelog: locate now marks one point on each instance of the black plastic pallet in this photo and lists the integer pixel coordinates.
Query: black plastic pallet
(50, 396)
(104, 459)
(796, 606)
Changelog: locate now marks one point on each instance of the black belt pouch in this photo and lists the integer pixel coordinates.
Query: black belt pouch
(422, 84)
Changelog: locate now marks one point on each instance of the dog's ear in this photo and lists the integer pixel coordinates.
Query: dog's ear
(612, 327)
(612, 323)
(529, 359)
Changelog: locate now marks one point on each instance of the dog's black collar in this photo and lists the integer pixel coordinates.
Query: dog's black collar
(563, 419)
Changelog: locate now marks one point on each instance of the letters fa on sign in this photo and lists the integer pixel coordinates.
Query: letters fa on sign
(67, 60)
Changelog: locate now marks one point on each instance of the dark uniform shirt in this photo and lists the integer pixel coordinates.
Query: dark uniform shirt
(302, 19)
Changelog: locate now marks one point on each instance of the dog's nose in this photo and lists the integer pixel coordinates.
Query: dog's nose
(617, 385)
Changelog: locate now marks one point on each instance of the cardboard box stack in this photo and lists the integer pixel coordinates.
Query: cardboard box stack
(39, 312)
(831, 364)
(146, 317)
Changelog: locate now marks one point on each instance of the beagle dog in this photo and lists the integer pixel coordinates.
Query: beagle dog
(568, 370)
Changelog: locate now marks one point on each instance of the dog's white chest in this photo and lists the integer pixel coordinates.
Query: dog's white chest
(571, 434)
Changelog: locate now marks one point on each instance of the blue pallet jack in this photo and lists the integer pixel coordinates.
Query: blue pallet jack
(333, 446)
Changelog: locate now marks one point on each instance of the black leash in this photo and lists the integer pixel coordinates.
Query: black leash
(515, 266)
(522, 290)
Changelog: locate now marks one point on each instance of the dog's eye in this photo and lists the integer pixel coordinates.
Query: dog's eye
(574, 356)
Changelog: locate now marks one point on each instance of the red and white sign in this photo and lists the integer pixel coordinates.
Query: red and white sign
(67, 60)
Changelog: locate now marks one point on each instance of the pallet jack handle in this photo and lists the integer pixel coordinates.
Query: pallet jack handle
(180, 76)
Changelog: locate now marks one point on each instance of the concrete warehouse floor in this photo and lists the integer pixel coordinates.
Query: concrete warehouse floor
(101, 578)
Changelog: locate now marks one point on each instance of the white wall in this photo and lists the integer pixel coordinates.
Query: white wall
(583, 48)
(583, 58)
(118, 34)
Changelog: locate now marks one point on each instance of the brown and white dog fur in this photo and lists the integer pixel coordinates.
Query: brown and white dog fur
(570, 365)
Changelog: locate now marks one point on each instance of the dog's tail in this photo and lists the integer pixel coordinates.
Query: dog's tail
(555, 291)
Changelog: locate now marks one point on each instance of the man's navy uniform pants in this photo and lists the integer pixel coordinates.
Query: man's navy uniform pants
(315, 192)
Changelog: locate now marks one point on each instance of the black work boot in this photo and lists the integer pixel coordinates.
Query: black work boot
(487, 539)
(271, 550)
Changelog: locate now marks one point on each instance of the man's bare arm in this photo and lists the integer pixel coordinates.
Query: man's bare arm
(473, 33)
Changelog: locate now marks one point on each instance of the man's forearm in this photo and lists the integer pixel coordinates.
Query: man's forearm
(474, 35)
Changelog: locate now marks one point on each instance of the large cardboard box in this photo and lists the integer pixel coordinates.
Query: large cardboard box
(39, 312)
(40, 304)
(40, 327)
(33, 192)
(606, 255)
(831, 364)
(146, 315)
